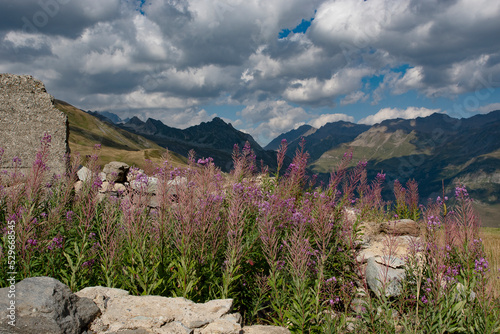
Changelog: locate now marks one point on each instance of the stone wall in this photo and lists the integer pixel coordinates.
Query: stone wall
(27, 112)
(44, 305)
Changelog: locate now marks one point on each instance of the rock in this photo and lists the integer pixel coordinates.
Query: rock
(153, 202)
(105, 187)
(178, 181)
(173, 185)
(46, 306)
(378, 247)
(461, 292)
(100, 295)
(260, 329)
(175, 327)
(84, 174)
(102, 176)
(220, 326)
(364, 255)
(391, 261)
(116, 171)
(234, 317)
(380, 275)
(27, 113)
(351, 324)
(401, 227)
(133, 173)
(78, 186)
(145, 183)
(119, 187)
(121, 311)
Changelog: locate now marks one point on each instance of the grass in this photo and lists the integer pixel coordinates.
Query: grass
(373, 145)
(489, 214)
(491, 242)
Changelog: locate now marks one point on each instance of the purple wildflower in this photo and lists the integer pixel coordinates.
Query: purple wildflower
(69, 215)
(481, 265)
(88, 263)
(56, 243)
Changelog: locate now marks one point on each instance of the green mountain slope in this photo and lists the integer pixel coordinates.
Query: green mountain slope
(85, 131)
(432, 150)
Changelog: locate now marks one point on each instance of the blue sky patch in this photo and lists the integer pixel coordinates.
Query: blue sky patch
(301, 28)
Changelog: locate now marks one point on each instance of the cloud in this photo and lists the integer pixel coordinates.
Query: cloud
(270, 119)
(329, 118)
(444, 42)
(392, 113)
(67, 18)
(354, 97)
(313, 90)
(490, 107)
(180, 56)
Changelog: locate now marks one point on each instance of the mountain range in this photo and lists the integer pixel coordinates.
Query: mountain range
(436, 150)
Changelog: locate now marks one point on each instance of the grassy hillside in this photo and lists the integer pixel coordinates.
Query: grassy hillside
(85, 131)
(409, 153)
(374, 145)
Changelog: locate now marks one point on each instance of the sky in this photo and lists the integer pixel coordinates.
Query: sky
(266, 67)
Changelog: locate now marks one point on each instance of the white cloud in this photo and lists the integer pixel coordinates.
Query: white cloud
(445, 43)
(314, 90)
(329, 118)
(392, 113)
(490, 107)
(269, 119)
(354, 97)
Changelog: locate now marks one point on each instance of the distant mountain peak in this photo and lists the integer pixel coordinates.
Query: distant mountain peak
(136, 121)
(218, 120)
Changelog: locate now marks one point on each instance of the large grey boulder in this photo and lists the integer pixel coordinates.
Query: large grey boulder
(43, 305)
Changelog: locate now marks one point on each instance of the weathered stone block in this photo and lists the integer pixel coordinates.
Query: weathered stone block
(27, 112)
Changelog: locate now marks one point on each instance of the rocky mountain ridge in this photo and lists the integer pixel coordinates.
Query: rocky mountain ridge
(214, 139)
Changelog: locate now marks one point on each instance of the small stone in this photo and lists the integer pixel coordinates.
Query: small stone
(401, 227)
(84, 174)
(105, 187)
(78, 186)
(119, 187)
(261, 329)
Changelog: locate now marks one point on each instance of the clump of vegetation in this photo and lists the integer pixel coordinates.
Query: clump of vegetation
(283, 247)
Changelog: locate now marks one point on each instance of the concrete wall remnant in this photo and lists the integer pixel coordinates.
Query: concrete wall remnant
(27, 112)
